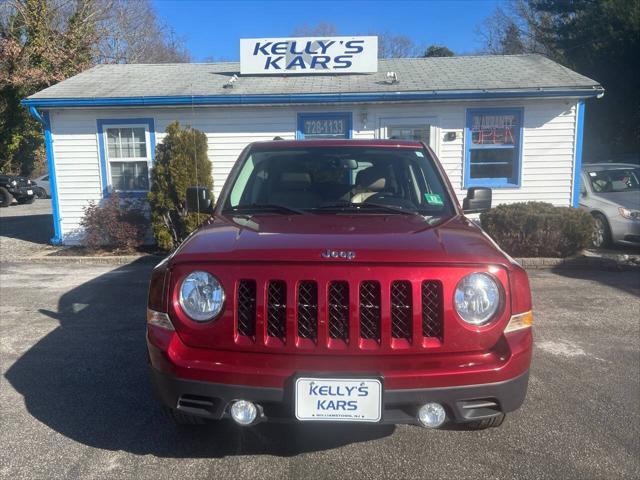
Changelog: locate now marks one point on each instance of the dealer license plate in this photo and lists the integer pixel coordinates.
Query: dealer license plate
(338, 399)
(29, 192)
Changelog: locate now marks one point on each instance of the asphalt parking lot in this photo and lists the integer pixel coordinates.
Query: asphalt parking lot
(76, 402)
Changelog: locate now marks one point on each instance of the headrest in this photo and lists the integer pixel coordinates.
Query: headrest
(372, 178)
(294, 180)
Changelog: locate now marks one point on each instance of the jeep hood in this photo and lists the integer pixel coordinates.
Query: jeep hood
(373, 238)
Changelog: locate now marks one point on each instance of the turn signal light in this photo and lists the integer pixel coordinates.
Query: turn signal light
(520, 321)
(159, 319)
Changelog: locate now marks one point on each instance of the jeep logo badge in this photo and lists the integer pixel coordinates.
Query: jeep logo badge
(344, 254)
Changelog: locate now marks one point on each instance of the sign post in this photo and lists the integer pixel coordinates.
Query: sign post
(308, 55)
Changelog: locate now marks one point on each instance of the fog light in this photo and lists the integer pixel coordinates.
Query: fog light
(432, 415)
(243, 412)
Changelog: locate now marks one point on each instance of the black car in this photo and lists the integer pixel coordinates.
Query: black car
(18, 188)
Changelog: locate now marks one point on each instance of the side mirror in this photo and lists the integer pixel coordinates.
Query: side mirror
(478, 200)
(199, 200)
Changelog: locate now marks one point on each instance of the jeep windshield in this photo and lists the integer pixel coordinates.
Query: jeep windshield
(353, 180)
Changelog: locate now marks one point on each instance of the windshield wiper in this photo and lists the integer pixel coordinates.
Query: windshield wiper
(263, 207)
(363, 206)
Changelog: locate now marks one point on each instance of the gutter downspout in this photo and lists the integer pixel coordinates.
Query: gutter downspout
(48, 143)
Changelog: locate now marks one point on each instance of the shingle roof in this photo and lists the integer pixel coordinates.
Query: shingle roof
(464, 73)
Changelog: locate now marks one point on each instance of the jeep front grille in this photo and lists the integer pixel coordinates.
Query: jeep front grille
(246, 307)
(432, 309)
(277, 309)
(401, 309)
(324, 313)
(307, 313)
(338, 308)
(370, 310)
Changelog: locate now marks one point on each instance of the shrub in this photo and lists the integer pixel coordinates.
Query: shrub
(117, 223)
(538, 229)
(181, 155)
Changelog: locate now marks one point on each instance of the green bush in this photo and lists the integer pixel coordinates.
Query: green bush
(182, 153)
(538, 229)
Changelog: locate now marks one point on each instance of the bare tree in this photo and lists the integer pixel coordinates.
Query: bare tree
(132, 33)
(514, 28)
(396, 46)
(322, 29)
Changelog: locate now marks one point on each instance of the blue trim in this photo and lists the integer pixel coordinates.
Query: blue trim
(577, 163)
(104, 178)
(348, 117)
(306, 98)
(53, 184)
(516, 181)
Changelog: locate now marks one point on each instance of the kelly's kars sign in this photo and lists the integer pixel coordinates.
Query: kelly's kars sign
(308, 55)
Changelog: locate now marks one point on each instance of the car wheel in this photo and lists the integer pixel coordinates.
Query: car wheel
(40, 192)
(486, 423)
(181, 418)
(27, 201)
(602, 233)
(5, 197)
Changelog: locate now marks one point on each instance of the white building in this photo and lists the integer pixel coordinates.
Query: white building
(513, 123)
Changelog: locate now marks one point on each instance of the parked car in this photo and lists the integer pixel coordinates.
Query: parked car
(339, 281)
(611, 192)
(18, 188)
(43, 189)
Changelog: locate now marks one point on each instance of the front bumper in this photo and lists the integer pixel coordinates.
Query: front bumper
(625, 231)
(399, 406)
(20, 193)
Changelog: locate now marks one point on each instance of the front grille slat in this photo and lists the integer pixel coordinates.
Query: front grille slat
(246, 307)
(370, 310)
(432, 311)
(277, 309)
(308, 310)
(401, 309)
(338, 310)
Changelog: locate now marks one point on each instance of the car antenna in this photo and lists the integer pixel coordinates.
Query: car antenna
(195, 155)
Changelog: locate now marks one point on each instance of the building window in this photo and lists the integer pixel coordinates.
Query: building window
(494, 147)
(323, 125)
(126, 155)
(410, 132)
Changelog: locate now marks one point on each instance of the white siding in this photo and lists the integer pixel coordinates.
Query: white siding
(547, 160)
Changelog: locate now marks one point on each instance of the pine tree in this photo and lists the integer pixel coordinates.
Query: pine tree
(181, 161)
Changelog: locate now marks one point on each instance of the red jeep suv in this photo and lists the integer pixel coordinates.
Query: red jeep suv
(339, 281)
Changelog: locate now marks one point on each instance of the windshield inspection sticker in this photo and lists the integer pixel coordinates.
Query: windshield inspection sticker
(433, 199)
(420, 154)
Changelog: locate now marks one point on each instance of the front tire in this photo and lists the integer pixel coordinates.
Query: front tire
(602, 232)
(40, 192)
(5, 197)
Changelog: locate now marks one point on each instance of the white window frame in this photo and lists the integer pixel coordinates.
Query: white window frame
(418, 122)
(108, 160)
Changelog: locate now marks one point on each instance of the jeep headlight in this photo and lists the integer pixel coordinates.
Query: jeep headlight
(201, 296)
(14, 183)
(477, 299)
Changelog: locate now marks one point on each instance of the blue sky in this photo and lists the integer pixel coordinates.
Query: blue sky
(212, 29)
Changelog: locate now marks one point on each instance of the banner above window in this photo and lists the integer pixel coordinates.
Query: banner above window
(308, 55)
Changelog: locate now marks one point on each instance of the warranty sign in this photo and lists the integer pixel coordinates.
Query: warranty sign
(308, 55)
